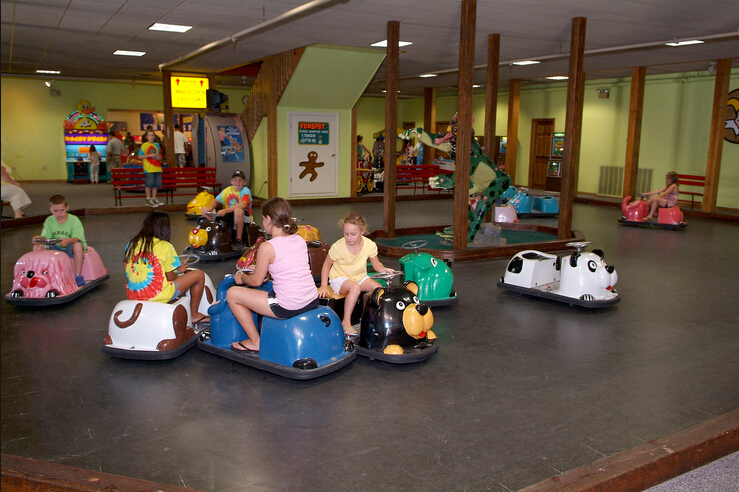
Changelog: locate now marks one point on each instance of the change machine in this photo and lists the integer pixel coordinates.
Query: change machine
(219, 140)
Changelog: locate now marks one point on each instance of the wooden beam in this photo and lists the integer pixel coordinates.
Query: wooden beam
(514, 106)
(391, 123)
(652, 462)
(573, 126)
(355, 163)
(491, 96)
(716, 138)
(464, 123)
(429, 120)
(633, 137)
(168, 120)
(272, 98)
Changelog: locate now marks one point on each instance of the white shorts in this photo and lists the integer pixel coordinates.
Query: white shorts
(336, 283)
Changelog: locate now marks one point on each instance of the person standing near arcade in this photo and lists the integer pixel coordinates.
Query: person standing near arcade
(94, 164)
(113, 150)
(180, 147)
(150, 154)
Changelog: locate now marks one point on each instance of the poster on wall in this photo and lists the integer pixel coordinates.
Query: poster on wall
(156, 120)
(313, 151)
(232, 147)
(558, 145)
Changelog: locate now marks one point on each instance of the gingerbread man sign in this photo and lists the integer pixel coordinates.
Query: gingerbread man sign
(310, 166)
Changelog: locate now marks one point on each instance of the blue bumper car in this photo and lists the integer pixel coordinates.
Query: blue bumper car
(304, 347)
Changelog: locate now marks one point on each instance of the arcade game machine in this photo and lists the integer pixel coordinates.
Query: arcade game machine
(83, 128)
(219, 140)
(554, 167)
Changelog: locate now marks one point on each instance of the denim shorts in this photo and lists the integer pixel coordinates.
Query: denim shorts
(68, 249)
(153, 180)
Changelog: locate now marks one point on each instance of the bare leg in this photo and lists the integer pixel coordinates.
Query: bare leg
(79, 257)
(194, 280)
(148, 192)
(353, 290)
(239, 222)
(242, 303)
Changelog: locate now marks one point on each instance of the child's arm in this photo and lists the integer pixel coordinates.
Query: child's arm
(323, 289)
(379, 267)
(265, 256)
(667, 190)
(209, 208)
(650, 193)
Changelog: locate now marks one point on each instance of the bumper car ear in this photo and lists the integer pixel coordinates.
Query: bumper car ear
(375, 297)
(412, 286)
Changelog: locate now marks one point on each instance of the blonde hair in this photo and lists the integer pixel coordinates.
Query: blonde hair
(281, 214)
(672, 176)
(355, 219)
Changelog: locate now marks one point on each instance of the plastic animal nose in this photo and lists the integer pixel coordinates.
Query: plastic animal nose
(422, 309)
(609, 268)
(30, 274)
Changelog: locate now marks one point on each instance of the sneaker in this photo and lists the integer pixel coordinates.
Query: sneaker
(80, 280)
(151, 203)
(157, 202)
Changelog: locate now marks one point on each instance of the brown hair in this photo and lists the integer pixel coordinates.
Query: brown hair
(281, 214)
(57, 200)
(672, 176)
(156, 225)
(355, 219)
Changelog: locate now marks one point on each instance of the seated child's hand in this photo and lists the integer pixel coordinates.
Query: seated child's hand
(221, 213)
(64, 243)
(323, 292)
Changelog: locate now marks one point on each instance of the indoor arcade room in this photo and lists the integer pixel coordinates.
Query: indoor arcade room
(369, 245)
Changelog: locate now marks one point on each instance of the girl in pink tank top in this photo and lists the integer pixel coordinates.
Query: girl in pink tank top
(285, 258)
(664, 197)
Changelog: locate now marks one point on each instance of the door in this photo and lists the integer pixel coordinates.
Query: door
(541, 144)
(313, 154)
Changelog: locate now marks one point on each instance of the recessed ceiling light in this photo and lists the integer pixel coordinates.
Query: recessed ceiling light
(558, 77)
(383, 43)
(525, 62)
(383, 90)
(129, 53)
(685, 43)
(157, 26)
(427, 75)
(53, 72)
(476, 86)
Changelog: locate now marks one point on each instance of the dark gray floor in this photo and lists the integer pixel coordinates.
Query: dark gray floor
(520, 390)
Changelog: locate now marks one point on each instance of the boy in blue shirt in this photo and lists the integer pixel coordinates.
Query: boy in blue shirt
(235, 205)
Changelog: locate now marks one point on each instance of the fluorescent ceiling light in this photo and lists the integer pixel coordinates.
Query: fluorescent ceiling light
(558, 77)
(383, 43)
(157, 26)
(53, 72)
(526, 62)
(685, 43)
(129, 53)
(383, 90)
(427, 75)
(476, 86)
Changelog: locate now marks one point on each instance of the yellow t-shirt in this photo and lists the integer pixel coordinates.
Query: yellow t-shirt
(146, 272)
(348, 265)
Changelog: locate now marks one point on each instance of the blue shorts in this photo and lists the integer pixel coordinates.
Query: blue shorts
(176, 294)
(153, 180)
(68, 249)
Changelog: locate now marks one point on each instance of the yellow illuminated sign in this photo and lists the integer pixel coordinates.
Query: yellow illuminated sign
(189, 92)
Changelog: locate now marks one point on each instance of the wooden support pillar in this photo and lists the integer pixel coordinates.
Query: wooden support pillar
(464, 122)
(716, 138)
(514, 106)
(168, 120)
(391, 124)
(573, 127)
(633, 137)
(429, 120)
(355, 159)
(491, 95)
(271, 99)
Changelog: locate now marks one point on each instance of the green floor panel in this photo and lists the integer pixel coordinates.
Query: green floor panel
(434, 241)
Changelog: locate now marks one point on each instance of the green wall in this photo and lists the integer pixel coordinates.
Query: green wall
(675, 126)
(32, 119)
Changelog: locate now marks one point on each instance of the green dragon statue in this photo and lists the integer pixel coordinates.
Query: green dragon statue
(487, 181)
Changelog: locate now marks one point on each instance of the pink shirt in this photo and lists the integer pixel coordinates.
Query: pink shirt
(672, 196)
(291, 275)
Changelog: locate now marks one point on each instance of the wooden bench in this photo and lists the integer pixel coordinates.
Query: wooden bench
(131, 180)
(416, 176)
(179, 178)
(691, 180)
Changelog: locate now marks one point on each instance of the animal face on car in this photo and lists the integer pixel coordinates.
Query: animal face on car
(40, 274)
(587, 276)
(218, 236)
(395, 320)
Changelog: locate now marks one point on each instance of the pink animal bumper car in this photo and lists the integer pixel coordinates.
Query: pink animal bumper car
(45, 278)
(667, 218)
